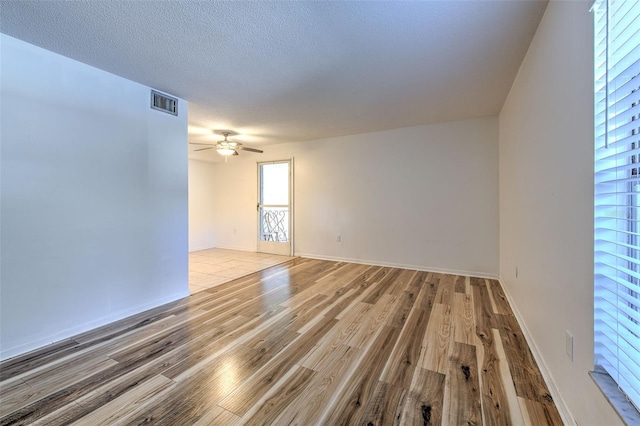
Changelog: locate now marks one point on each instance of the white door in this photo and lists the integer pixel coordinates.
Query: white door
(275, 218)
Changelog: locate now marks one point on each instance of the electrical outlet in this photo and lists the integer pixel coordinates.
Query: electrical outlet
(339, 239)
(516, 271)
(569, 344)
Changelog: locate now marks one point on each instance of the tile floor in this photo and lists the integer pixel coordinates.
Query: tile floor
(211, 267)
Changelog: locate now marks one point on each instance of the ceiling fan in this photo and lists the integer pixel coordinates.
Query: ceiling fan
(226, 147)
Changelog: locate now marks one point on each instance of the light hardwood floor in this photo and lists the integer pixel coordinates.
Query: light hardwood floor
(307, 342)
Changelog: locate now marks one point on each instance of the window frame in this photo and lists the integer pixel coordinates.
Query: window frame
(617, 205)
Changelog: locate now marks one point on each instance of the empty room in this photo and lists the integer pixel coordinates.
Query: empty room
(319, 213)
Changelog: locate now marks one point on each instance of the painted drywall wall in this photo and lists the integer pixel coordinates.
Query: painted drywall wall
(202, 186)
(546, 202)
(93, 199)
(423, 197)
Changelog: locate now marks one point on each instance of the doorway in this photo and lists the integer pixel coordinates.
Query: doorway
(275, 215)
(275, 212)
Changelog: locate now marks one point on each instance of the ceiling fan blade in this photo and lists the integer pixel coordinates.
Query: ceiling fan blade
(245, 148)
(235, 153)
(197, 143)
(202, 149)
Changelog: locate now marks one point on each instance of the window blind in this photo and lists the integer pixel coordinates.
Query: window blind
(617, 193)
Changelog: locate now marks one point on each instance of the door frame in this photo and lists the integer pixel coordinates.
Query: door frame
(291, 235)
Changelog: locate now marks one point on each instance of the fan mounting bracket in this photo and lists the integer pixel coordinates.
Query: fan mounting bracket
(226, 133)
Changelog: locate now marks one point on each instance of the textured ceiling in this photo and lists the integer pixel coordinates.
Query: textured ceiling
(292, 71)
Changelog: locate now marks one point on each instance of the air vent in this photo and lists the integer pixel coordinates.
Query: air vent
(164, 103)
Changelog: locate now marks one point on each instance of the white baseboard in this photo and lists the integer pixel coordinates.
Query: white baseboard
(399, 265)
(561, 405)
(86, 326)
(239, 248)
(200, 247)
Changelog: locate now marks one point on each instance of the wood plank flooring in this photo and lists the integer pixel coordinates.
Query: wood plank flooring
(308, 342)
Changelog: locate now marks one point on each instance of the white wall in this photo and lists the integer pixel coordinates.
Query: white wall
(93, 199)
(546, 202)
(424, 197)
(202, 186)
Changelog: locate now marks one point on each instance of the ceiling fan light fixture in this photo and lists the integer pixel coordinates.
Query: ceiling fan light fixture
(226, 148)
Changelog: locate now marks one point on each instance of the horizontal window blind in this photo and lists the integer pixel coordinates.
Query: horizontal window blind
(617, 193)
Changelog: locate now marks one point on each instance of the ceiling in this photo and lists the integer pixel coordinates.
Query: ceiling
(278, 72)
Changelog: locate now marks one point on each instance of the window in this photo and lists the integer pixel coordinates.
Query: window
(617, 193)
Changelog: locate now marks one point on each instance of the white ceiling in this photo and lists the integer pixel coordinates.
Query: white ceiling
(292, 71)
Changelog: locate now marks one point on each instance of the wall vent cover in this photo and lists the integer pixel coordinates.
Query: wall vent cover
(164, 103)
